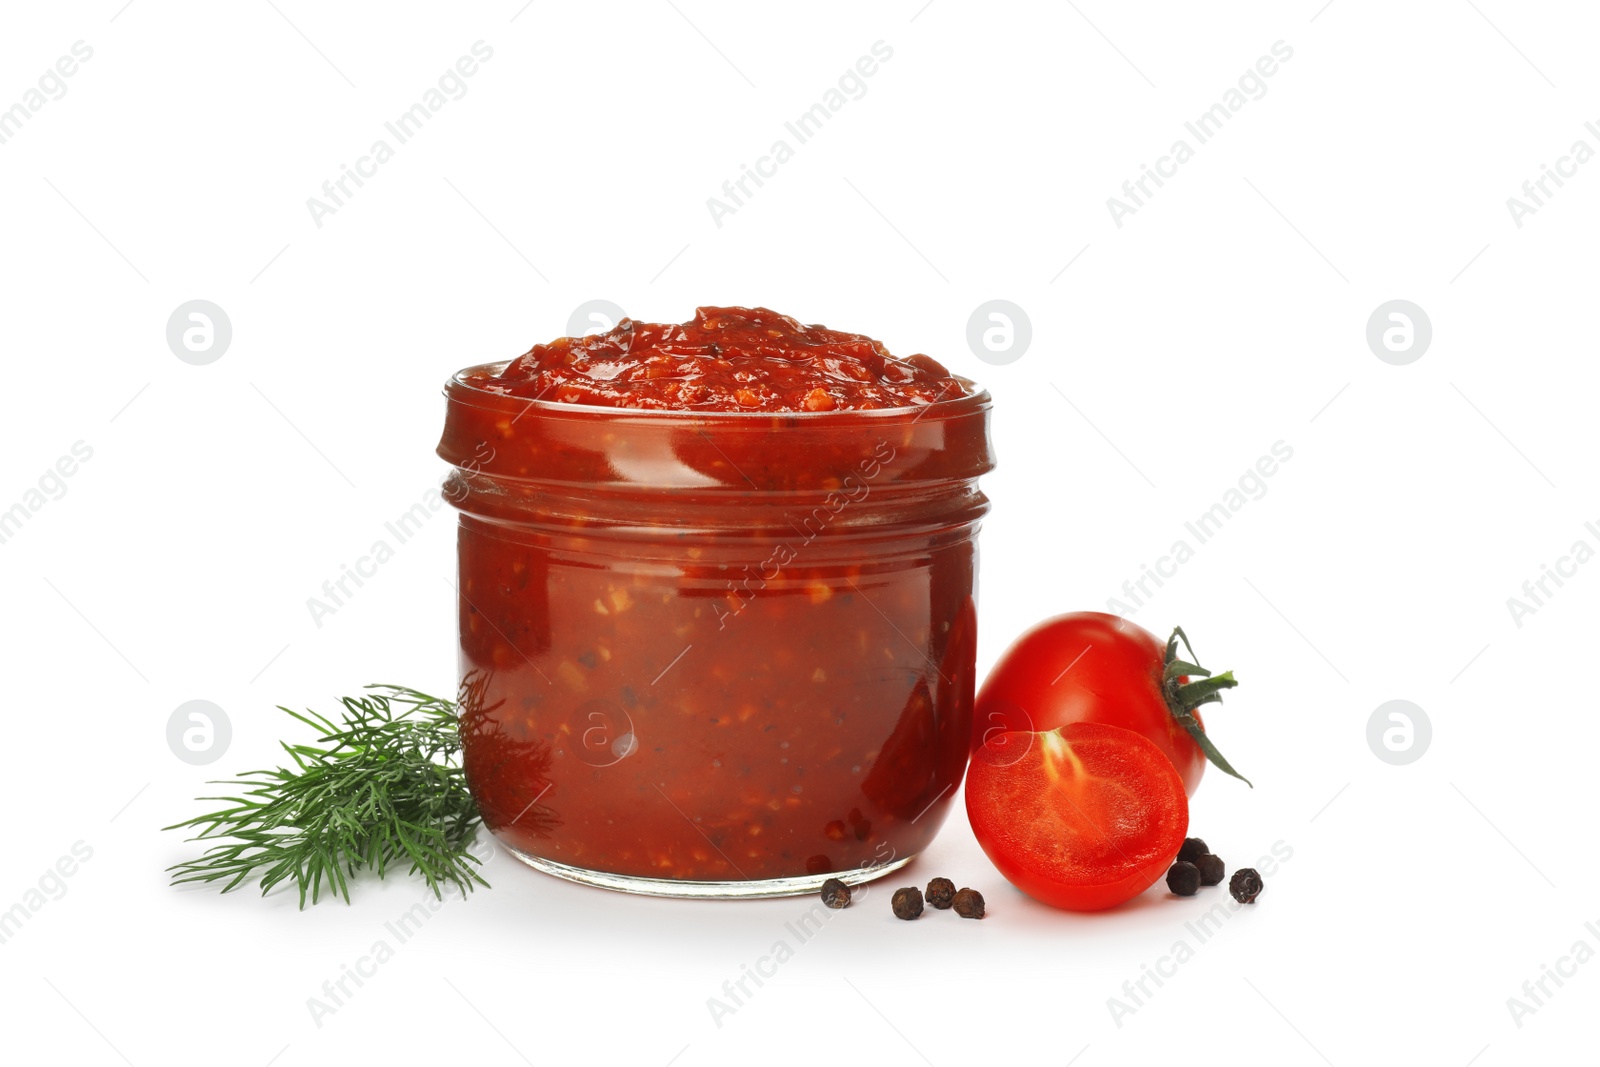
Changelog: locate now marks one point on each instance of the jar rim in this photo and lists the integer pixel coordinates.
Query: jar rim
(458, 390)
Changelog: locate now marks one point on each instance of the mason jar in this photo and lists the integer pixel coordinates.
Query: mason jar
(715, 654)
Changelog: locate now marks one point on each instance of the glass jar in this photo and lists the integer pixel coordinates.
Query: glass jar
(715, 655)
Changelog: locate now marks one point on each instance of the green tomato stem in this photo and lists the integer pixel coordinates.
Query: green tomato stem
(1183, 697)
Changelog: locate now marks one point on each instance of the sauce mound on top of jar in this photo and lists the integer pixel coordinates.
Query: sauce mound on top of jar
(724, 359)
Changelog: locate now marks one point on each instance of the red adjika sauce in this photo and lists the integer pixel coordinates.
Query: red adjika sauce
(724, 359)
(709, 646)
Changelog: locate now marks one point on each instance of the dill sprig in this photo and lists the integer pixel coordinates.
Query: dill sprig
(381, 787)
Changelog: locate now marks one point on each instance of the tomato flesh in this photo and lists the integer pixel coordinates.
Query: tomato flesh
(1083, 817)
(1086, 667)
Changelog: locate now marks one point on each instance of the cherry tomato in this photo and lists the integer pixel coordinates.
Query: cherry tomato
(1083, 817)
(1092, 667)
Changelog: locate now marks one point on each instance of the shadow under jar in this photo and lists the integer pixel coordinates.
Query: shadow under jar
(715, 655)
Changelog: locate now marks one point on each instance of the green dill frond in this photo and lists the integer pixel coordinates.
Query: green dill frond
(381, 787)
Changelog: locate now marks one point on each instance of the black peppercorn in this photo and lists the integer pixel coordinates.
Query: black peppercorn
(969, 904)
(835, 894)
(1193, 848)
(1211, 869)
(941, 893)
(1246, 885)
(1184, 878)
(907, 902)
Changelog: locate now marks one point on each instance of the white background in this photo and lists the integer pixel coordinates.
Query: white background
(1227, 314)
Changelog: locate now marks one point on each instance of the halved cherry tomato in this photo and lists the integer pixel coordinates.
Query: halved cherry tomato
(1083, 817)
(1092, 667)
